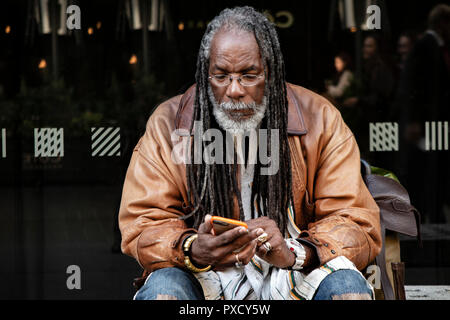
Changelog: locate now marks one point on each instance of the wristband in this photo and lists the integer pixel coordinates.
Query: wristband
(299, 252)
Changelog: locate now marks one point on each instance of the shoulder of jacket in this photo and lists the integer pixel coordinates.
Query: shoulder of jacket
(312, 103)
(164, 114)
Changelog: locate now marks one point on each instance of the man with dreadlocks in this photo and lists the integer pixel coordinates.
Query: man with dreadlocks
(312, 224)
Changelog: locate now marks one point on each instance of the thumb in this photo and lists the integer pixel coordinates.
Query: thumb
(206, 226)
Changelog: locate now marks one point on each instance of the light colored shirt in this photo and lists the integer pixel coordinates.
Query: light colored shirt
(336, 91)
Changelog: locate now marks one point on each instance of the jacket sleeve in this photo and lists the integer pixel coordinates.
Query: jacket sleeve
(152, 201)
(346, 217)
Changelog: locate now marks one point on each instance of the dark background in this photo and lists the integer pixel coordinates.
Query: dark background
(56, 212)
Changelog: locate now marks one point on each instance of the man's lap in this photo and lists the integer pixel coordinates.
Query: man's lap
(174, 283)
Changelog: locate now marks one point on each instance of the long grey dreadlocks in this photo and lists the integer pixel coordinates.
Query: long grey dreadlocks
(212, 188)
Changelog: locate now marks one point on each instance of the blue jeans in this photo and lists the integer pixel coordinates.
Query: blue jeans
(344, 285)
(170, 284)
(174, 283)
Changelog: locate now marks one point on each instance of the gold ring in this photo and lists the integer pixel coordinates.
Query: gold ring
(262, 238)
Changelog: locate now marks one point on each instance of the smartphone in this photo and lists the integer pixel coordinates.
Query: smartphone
(220, 224)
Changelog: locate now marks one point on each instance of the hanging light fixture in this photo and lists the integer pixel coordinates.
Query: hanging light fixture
(42, 64)
(133, 59)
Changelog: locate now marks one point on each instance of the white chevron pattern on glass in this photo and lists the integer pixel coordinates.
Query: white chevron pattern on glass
(105, 141)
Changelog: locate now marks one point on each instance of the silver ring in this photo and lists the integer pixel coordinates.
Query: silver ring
(267, 246)
(238, 263)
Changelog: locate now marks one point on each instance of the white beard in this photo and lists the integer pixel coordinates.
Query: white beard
(237, 126)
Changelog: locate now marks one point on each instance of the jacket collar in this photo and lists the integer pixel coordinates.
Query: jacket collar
(296, 123)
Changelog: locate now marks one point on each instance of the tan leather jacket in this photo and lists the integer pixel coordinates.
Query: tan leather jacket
(334, 209)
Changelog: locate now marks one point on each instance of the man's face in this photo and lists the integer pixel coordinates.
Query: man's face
(403, 46)
(338, 64)
(236, 53)
(369, 48)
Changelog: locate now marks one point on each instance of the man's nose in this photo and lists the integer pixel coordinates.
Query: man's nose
(235, 90)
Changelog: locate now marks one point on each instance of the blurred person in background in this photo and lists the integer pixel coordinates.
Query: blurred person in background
(373, 96)
(377, 82)
(338, 87)
(404, 45)
(423, 96)
(341, 87)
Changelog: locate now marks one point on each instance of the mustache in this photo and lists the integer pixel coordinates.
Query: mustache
(238, 105)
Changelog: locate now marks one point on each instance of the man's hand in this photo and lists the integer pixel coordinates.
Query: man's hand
(279, 256)
(220, 251)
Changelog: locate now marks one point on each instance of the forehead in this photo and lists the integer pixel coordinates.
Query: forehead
(403, 40)
(234, 48)
(369, 41)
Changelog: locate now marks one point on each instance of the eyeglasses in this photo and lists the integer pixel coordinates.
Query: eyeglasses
(246, 80)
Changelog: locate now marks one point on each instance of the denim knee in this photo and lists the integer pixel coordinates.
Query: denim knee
(170, 284)
(344, 285)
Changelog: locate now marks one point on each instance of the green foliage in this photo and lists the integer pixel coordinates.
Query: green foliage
(54, 104)
(384, 173)
(146, 94)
